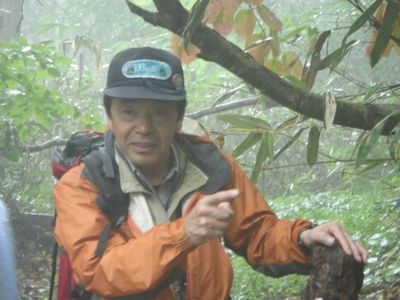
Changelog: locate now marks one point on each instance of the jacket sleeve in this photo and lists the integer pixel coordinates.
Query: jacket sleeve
(129, 265)
(269, 244)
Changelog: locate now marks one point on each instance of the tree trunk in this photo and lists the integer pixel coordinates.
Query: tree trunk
(334, 275)
(10, 19)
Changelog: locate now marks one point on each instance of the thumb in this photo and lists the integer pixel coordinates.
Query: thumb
(226, 206)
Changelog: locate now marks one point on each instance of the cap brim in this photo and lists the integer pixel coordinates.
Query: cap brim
(140, 93)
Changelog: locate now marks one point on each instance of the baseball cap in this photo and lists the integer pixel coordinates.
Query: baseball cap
(145, 73)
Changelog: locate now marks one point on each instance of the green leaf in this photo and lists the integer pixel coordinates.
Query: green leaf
(248, 142)
(369, 166)
(294, 34)
(385, 32)
(313, 145)
(289, 123)
(296, 82)
(362, 19)
(289, 143)
(333, 59)
(195, 18)
(262, 155)
(370, 140)
(53, 71)
(269, 141)
(245, 122)
(372, 90)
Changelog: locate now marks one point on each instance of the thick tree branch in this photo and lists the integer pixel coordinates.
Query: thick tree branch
(172, 16)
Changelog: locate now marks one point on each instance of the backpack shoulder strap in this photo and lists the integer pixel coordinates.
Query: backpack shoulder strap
(209, 159)
(102, 171)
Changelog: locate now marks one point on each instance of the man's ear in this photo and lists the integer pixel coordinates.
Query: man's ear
(109, 125)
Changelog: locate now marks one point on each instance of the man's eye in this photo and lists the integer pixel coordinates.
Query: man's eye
(128, 112)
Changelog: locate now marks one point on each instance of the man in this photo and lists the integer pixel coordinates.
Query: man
(184, 197)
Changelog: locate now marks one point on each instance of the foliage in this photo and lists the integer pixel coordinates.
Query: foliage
(34, 101)
(242, 17)
(370, 216)
(25, 99)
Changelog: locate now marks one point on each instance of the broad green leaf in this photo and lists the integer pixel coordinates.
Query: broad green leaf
(247, 143)
(245, 122)
(313, 145)
(385, 32)
(289, 143)
(367, 15)
(333, 59)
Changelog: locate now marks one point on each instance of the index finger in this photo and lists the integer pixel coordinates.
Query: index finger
(221, 197)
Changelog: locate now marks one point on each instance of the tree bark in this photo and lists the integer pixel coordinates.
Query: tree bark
(172, 16)
(334, 275)
(10, 19)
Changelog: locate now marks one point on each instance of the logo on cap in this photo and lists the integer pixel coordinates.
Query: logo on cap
(146, 68)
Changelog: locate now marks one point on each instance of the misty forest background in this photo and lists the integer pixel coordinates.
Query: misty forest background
(323, 164)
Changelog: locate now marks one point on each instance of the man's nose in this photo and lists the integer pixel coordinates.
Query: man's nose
(144, 124)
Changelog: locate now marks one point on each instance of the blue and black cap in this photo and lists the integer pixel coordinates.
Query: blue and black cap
(145, 74)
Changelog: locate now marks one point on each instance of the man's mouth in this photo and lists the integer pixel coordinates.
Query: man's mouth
(143, 147)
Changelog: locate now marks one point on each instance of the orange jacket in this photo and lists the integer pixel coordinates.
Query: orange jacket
(136, 262)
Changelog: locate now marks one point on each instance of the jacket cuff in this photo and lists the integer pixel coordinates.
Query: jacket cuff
(302, 226)
(181, 239)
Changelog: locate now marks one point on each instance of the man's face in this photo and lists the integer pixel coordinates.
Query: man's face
(144, 130)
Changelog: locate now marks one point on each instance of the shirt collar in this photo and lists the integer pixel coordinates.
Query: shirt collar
(173, 171)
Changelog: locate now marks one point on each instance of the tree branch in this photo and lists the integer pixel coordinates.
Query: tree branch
(172, 16)
(227, 107)
(44, 146)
